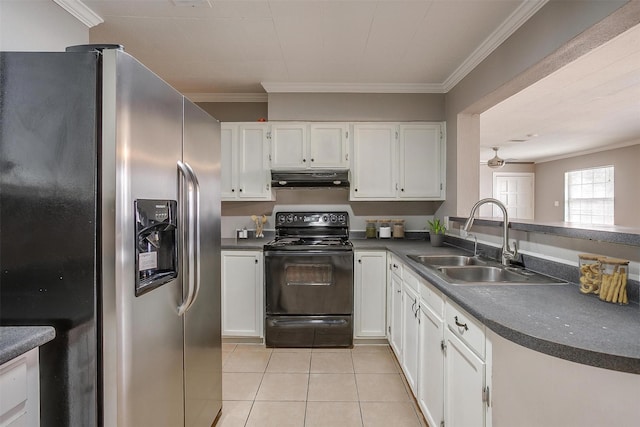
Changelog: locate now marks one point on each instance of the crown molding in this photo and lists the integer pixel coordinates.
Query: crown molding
(227, 97)
(525, 11)
(273, 87)
(81, 12)
(594, 150)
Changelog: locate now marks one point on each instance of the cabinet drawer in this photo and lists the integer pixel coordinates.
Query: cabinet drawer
(13, 385)
(468, 329)
(432, 298)
(410, 280)
(395, 266)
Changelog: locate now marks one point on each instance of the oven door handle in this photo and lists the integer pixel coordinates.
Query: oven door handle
(307, 322)
(309, 252)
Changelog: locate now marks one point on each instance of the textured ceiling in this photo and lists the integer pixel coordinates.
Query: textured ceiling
(593, 102)
(233, 46)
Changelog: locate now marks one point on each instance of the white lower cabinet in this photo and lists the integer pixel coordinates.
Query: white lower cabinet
(442, 350)
(466, 394)
(242, 294)
(369, 294)
(410, 334)
(20, 390)
(464, 406)
(431, 357)
(395, 315)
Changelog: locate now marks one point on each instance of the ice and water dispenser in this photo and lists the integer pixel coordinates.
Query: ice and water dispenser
(156, 243)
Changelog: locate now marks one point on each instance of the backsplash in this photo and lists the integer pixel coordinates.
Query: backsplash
(236, 215)
(357, 223)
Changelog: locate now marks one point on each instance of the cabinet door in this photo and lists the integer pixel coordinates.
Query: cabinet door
(465, 375)
(242, 294)
(370, 294)
(431, 365)
(328, 145)
(289, 146)
(395, 317)
(421, 166)
(228, 162)
(410, 308)
(254, 176)
(373, 162)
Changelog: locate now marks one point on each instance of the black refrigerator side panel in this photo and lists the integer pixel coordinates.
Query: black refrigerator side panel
(48, 217)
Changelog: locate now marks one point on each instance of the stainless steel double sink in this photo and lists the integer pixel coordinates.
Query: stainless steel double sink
(464, 270)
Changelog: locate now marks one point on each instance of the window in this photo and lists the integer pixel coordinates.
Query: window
(588, 196)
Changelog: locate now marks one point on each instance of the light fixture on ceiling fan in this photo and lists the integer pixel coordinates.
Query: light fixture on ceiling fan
(495, 162)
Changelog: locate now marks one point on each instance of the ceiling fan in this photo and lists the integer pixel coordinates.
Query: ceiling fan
(496, 162)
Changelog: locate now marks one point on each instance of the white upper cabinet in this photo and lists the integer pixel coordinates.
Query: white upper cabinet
(328, 147)
(289, 146)
(309, 146)
(245, 173)
(229, 160)
(421, 161)
(373, 170)
(398, 161)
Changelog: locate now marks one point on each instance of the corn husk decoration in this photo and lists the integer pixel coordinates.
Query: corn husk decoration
(259, 221)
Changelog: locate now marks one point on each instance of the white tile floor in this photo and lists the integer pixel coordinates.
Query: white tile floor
(363, 386)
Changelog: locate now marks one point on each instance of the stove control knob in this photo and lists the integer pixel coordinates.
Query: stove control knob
(341, 219)
(281, 218)
(325, 218)
(290, 218)
(333, 218)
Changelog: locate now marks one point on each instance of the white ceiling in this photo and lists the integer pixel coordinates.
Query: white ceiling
(234, 49)
(233, 46)
(589, 105)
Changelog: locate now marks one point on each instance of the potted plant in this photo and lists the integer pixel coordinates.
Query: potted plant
(436, 232)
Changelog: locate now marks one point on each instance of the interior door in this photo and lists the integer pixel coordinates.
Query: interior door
(515, 190)
(202, 331)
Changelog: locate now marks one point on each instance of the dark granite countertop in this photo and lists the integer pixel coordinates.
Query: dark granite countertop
(551, 319)
(17, 340)
(244, 244)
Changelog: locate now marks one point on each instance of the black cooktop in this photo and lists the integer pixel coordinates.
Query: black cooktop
(313, 230)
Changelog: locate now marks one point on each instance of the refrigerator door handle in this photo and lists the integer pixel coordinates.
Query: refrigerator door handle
(196, 225)
(186, 199)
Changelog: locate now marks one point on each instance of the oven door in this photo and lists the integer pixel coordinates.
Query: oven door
(309, 282)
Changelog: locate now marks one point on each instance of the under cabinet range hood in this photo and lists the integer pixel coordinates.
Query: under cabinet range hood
(310, 179)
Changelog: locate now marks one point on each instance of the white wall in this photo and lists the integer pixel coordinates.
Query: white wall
(237, 214)
(550, 183)
(353, 107)
(38, 25)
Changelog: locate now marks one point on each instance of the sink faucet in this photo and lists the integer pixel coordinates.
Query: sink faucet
(507, 253)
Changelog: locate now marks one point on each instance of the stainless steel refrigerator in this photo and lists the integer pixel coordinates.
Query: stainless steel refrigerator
(110, 232)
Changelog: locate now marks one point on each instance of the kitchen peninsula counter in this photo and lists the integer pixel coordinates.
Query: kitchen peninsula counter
(17, 340)
(551, 319)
